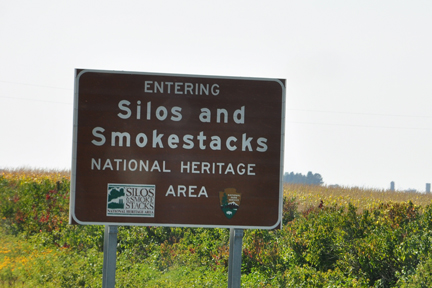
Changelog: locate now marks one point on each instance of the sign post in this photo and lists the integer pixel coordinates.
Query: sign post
(235, 258)
(109, 261)
(177, 150)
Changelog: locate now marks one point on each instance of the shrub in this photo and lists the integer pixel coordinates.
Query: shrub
(422, 278)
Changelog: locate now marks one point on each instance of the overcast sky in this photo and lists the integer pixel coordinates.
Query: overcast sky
(358, 74)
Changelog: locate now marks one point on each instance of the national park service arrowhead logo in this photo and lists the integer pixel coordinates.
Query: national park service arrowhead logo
(229, 201)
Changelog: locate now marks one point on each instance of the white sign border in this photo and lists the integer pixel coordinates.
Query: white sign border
(72, 216)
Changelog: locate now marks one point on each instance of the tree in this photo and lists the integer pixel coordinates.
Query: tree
(298, 178)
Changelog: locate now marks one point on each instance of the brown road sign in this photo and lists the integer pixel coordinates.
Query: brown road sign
(162, 149)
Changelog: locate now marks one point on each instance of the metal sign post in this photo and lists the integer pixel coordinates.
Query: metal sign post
(235, 258)
(109, 261)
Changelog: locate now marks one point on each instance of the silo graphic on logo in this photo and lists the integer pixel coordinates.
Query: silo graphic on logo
(116, 197)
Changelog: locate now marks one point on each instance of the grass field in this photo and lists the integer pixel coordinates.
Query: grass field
(358, 238)
(362, 198)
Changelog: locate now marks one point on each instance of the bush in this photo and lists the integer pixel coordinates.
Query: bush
(422, 277)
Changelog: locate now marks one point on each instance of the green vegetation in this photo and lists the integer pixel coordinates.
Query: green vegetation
(359, 238)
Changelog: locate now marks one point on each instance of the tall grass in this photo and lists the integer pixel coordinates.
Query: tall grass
(35, 173)
(363, 198)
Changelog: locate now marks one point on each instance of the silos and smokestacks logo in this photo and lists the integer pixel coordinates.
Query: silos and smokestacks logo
(136, 200)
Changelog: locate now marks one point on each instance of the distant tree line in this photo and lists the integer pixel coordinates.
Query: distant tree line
(298, 178)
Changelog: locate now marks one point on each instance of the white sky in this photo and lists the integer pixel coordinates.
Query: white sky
(359, 74)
